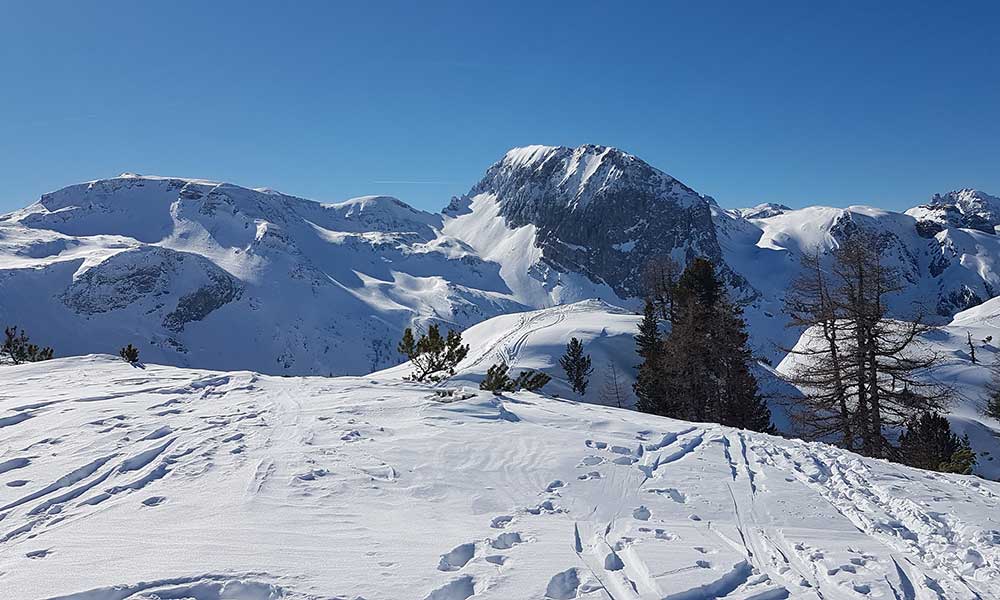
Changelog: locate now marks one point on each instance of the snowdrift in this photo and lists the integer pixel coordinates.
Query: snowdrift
(121, 482)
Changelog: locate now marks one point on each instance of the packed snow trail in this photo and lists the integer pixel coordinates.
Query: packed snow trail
(135, 483)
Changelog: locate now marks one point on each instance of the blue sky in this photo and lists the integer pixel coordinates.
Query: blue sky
(796, 102)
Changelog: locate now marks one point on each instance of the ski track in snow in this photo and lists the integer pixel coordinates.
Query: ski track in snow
(188, 484)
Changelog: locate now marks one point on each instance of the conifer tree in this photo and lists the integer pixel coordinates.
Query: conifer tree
(531, 381)
(17, 347)
(577, 366)
(497, 380)
(433, 356)
(706, 363)
(129, 353)
(929, 443)
(648, 387)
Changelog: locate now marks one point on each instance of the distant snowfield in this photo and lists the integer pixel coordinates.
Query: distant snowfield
(119, 482)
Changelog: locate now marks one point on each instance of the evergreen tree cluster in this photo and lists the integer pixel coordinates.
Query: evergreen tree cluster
(929, 443)
(433, 356)
(700, 369)
(17, 347)
(498, 381)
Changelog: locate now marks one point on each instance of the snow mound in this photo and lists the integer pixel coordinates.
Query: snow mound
(162, 482)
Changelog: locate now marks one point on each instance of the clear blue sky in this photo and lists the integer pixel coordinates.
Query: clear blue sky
(795, 102)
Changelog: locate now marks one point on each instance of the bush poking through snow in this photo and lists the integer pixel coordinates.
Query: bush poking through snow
(18, 348)
(433, 357)
(497, 380)
(129, 353)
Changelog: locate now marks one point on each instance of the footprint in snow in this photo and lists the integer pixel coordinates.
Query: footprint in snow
(501, 521)
(506, 541)
(642, 513)
(457, 558)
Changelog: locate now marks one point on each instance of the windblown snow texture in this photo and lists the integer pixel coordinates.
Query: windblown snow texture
(163, 482)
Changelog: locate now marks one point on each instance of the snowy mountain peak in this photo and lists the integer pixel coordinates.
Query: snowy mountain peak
(578, 175)
(966, 208)
(593, 210)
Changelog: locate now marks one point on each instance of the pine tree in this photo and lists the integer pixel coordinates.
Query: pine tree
(962, 460)
(18, 347)
(497, 380)
(433, 356)
(706, 363)
(972, 347)
(648, 387)
(576, 364)
(929, 443)
(531, 381)
(129, 353)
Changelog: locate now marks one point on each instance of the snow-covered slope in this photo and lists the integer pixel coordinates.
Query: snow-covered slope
(120, 483)
(943, 274)
(536, 339)
(219, 276)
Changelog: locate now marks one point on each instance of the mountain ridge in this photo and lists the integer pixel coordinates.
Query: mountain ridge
(545, 226)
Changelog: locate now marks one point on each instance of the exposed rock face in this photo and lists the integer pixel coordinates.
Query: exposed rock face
(601, 212)
(154, 279)
(966, 209)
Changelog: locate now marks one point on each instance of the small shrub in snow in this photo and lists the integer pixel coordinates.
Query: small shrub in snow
(17, 347)
(433, 356)
(130, 353)
(497, 380)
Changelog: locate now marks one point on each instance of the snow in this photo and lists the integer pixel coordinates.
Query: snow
(122, 482)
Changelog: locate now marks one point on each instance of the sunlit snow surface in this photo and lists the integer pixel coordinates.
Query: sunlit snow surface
(158, 482)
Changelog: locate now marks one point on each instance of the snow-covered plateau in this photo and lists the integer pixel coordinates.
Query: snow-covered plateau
(121, 482)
